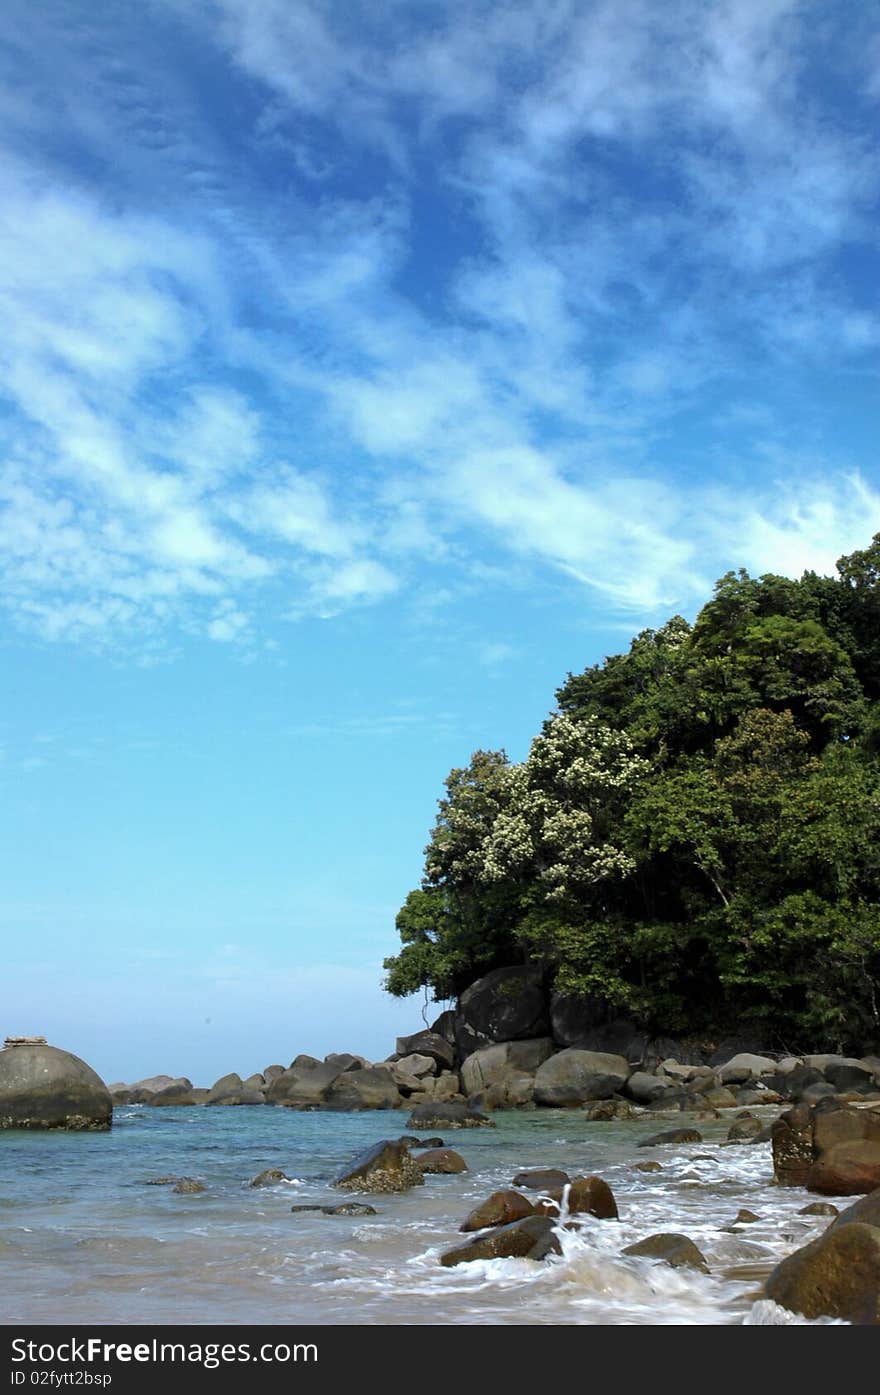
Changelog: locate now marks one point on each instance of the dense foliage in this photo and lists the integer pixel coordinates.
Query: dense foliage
(695, 834)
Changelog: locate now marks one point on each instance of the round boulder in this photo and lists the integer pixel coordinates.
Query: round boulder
(836, 1276)
(678, 1251)
(505, 1005)
(43, 1087)
(498, 1209)
(573, 1077)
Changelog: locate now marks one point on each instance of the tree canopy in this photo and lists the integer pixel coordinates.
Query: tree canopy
(694, 836)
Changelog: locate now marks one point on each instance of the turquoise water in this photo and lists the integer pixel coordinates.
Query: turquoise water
(87, 1239)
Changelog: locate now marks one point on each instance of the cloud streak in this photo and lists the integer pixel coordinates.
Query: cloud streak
(470, 291)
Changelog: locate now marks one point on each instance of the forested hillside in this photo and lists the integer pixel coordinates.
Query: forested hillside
(693, 838)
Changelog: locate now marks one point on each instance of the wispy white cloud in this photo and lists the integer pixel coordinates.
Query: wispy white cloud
(450, 303)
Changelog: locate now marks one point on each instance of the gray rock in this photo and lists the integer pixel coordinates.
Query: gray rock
(346, 1061)
(303, 1087)
(269, 1177)
(179, 1094)
(493, 1064)
(417, 1064)
(428, 1044)
(573, 1077)
(372, 1088)
(648, 1089)
(43, 1087)
(745, 1067)
(232, 1090)
(449, 1115)
(149, 1086)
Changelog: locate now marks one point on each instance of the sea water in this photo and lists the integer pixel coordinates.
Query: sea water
(85, 1238)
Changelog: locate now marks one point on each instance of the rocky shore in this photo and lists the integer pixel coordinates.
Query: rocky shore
(508, 1045)
(820, 1114)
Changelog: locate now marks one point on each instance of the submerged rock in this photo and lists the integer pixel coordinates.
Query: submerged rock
(350, 1208)
(189, 1185)
(672, 1136)
(450, 1114)
(541, 1179)
(269, 1177)
(42, 1087)
(678, 1251)
(531, 1238)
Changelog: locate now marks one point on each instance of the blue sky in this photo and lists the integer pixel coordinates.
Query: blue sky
(363, 370)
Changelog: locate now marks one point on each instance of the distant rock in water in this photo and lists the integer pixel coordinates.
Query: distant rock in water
(43, 1087)
(452, 1115)
(269, 1177)
(386, 1167)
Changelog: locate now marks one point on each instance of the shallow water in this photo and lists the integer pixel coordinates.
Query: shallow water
(89, 1241)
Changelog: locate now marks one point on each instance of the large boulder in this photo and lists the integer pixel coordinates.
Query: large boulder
(836, 1276)
(140, 1091)
(649, 1089)
(346, 1061)
(373, 1088)
(179, 1093)
(387, 1166)
(505, 1005)
(43, 1087)
(573, 1077)
(428, 1044)
(302, 1087)
(866, 1211)
(232, 1090)
(531, 1238)
(847, 1152)
(571, 1018)
(745, 1066)
(493, 1064)
(417, 1064)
